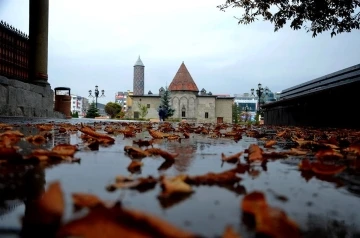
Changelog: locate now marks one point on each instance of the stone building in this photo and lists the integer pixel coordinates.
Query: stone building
(188, 103)
(139, 77)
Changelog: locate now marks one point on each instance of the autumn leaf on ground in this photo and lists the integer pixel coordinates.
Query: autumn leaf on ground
(65, 149)
(305, 165)
(326, 169)
(270, 143)
(36, 139)
(117, 220)
(140, 184)
(355, 148)
(135, 152)
(44, 214)
(230, 233)
(142, 143)
(255, 153)
(328, 154)
(157, 134)
(226, 177)
(84, 200)
(269, 221)
(231, 158)
(166, 155)
(175, 185)
(103, 138)
(45, 127)
(134, 166)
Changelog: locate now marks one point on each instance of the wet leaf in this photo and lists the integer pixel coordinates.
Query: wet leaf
(255, 153)
(134, 166)
(230, 233)
(135, 152)
(166, 155)
(103, 138)
(232, 158)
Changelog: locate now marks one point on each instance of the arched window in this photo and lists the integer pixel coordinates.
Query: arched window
(183, 111)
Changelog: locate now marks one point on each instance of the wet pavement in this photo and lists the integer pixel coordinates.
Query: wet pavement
(321, 207)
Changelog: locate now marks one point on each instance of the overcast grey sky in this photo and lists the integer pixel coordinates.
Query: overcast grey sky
(97, 42)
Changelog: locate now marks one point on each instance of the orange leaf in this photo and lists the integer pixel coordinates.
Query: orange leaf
(232, 158)
(269, 143)
(134, 166)
(328, 154)
(230, 233)
(136, 152)
(255, 153)
(327, 169)
(65, 149)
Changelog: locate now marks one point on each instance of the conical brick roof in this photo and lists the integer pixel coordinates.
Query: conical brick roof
(183, 81)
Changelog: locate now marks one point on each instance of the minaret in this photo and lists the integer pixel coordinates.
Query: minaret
(138, 84)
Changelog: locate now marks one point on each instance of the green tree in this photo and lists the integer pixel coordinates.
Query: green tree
(165, 103)
(337, 16)
(112, 109)
(92, 112)
(75, 114)
(143, 110)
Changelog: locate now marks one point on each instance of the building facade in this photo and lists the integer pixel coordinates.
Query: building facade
(79, 104)
(189, 105)
(139, 77)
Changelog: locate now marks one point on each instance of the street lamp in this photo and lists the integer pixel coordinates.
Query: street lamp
(259, 92)
(97, 94)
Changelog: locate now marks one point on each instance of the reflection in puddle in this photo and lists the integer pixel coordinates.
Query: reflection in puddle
(205, 211)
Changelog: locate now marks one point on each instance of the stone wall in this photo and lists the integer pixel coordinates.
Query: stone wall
(26, 100)
(224, 109)
(206, 104)
(154, 105)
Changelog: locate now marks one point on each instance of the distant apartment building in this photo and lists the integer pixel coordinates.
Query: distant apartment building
(124, 100)
(79, 104)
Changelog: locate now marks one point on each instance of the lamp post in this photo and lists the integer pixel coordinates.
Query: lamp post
(259, 92)
(97, 94)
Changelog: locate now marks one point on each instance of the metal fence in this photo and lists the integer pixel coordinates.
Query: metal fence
(14, 53)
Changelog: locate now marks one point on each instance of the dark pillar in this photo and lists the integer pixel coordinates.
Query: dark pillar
(38, 37)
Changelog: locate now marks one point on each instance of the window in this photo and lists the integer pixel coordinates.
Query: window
(136, 115)
(148, 106)
(183, 114)
(206, 115)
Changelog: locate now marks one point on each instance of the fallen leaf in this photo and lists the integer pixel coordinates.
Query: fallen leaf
(232, 158)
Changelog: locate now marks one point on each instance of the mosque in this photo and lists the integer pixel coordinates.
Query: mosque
(189, 104)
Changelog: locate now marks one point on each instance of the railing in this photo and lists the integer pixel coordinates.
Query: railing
(14, 53)
(342, 77)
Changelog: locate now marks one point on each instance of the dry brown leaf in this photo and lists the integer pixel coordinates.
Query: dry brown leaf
(140, 184)
(327, 169)
(270, 143)
(110, 222)
(103, 138)
(269, 221)
(49, 209)
(166, 155)
(84, 200)
(230, 233)
(255, 153)
(231, 158)
(65, 149)
(136, 152)
(175, 185)
(226, 177)
(134, 166)
(328, 154)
